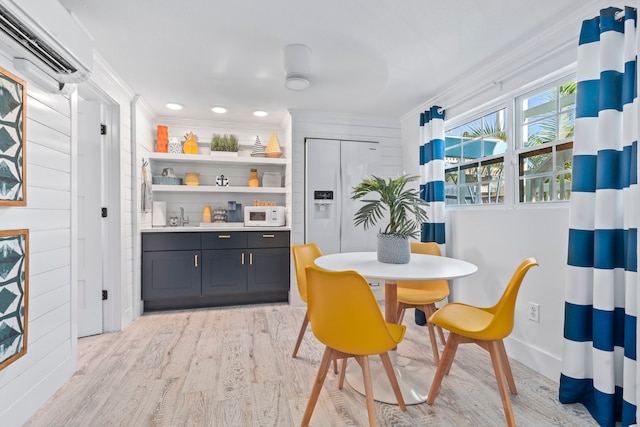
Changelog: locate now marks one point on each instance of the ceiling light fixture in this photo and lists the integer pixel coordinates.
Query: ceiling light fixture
(219, 110)
(260, 113)
(174, 106)
(297, 66)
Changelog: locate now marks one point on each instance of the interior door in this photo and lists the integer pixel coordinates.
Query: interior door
(89, 219)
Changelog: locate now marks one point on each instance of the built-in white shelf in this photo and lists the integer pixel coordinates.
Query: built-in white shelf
(215, 189)
(215, 159)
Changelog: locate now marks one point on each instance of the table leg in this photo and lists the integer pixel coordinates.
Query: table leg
(414, 380)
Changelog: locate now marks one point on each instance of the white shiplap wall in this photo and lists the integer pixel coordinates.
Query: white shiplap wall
(51, 353)
(309, 124)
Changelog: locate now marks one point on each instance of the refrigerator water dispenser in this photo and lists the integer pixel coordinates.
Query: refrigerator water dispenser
(322, 201)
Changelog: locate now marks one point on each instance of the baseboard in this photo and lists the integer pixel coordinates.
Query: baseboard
(534, 358)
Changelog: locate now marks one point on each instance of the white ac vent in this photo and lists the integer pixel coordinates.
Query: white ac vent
(45, 34)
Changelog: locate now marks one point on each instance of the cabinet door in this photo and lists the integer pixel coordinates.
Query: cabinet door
(268, 270)
(170, 274)
(224, 272)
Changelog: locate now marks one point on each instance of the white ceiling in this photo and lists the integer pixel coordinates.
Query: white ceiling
(379, 57)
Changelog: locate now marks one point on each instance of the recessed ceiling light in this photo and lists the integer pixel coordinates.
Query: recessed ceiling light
(259, 113)
(174, 106)
(219, 110)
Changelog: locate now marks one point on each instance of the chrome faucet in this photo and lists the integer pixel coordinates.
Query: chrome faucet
(182, 221)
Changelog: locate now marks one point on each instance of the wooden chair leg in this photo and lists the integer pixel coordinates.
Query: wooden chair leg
(441, 334)
(429, 309)
(507, 367)
(446, 360)
(343, 371)
(335, 366)
(317, 385)
(303, 328)
(368, 388)
(496, 361)
(388, 368)
(400, 313)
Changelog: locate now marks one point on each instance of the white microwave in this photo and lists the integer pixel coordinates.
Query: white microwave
(269, 216)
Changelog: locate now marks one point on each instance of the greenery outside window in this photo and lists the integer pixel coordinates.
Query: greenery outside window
(474, 160)
(544, 146)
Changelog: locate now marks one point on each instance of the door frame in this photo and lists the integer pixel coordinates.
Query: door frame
(110, 183)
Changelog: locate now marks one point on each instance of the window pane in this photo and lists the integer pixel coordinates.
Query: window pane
(567, 94)
(472, 130)
(469, 194)
(565, 128)
(534, 189)
(451, 176)
(539, 106)
(563, 191)
(492, 170)
(469, 174)
(535, 162)
(472, 150)
(494, 124)
(540, 132)
(564, 157)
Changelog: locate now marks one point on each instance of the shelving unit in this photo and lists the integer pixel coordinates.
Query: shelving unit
(215, 189)
(213, 159)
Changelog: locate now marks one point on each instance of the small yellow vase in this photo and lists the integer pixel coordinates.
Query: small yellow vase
(253, 178)
(206, 214)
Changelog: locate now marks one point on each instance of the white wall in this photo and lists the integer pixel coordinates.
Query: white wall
(51, 347)
(310, 124)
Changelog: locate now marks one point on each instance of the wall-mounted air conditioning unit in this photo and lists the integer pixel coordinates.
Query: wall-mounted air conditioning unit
(47, 36)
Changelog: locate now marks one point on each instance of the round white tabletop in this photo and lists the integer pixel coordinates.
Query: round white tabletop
(413, 380)
(420, 267)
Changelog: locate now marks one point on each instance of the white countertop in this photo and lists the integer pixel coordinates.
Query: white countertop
(218, 227)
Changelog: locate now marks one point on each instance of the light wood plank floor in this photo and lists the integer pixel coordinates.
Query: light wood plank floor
(233, 367)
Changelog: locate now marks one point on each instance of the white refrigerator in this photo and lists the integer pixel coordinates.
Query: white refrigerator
(332, 169)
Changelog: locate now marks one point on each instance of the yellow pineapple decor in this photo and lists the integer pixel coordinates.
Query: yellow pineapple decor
(191, 144)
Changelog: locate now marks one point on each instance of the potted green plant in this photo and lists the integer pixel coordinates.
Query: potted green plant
(224, 144)
(401, 206)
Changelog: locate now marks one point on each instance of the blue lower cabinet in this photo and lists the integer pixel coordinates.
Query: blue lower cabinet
(192, 270)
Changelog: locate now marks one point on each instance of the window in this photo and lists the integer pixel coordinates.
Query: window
(545, 142)
(474, 160)
(538, 163)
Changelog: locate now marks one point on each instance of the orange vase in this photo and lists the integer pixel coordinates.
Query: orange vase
(162, 140)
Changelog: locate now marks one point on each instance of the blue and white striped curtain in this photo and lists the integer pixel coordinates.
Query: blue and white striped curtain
(599, 356)
(432, 172)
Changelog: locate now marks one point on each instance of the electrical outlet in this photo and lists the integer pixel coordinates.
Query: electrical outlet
(534, 312)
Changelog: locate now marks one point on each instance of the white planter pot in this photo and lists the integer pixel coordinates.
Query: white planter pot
(393, 249)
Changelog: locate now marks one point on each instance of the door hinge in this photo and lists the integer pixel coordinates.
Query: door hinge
(105, 295)
(103, 129)
(103, 212)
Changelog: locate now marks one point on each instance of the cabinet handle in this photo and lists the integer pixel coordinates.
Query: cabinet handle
(242, 258)
(250, 258)
(224, 236)
(265, 236)
(195, 260)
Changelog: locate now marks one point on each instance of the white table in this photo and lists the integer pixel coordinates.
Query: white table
(414, 381)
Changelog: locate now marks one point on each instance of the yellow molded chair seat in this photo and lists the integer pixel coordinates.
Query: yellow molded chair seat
(304, 256)
(346, 318)
(486, 327)
(423, 294)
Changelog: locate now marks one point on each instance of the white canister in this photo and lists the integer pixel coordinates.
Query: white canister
(159, 214)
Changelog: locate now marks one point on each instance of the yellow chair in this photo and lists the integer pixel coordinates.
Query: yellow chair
(346, 318)
(423, 295)
(486, 327)
(303, 256)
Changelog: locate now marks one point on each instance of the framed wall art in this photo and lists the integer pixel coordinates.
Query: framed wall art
(13, 124)
(14, 295)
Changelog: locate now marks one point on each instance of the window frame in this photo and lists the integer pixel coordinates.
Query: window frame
(513, 127)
